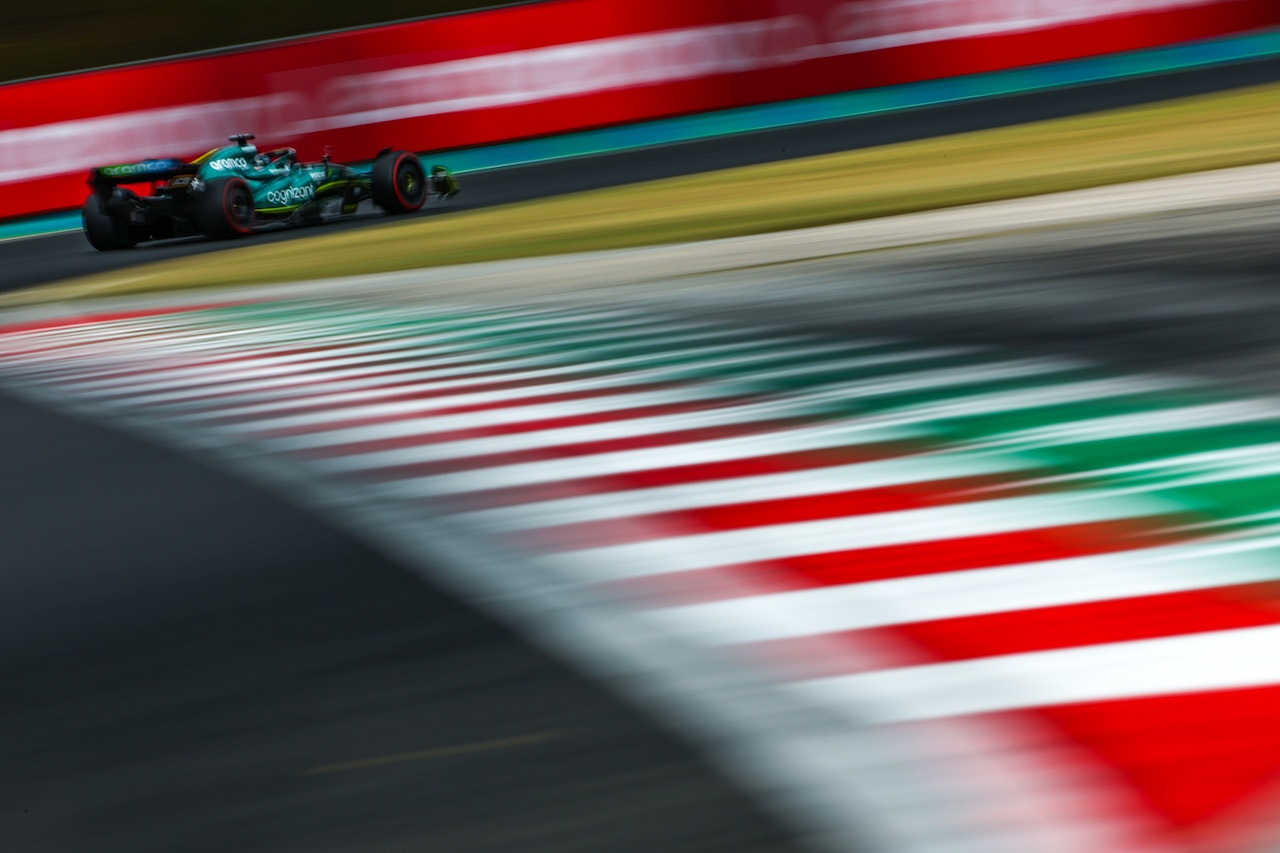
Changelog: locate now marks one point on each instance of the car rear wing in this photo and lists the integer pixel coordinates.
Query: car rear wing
(103, 178)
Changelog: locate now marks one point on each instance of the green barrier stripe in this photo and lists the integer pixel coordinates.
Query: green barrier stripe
(34, 226)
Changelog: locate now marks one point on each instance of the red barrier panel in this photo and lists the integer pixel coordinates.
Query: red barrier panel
(547, 68)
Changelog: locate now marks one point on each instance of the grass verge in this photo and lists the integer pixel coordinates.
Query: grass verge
(1237, 128)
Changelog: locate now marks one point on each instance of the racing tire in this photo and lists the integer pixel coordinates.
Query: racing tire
(225, 208)
(106, 231)
(399, 183)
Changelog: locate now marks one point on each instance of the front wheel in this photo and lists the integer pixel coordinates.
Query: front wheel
(225, 208)
(104, 229)
(399, 182)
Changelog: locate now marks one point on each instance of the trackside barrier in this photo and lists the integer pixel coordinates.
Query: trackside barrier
(665, 131)
(549, 68)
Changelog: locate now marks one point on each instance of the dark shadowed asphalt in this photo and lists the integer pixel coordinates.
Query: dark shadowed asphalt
(191, 665)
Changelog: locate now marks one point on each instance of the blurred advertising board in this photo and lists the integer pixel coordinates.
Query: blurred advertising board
(546, 68)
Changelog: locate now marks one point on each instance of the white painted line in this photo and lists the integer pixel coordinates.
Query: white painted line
(815, 481)
(1193, 663)
(621, 462)
(780, 541)
(974, 592)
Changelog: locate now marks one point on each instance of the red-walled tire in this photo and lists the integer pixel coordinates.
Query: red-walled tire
(225, 208)
(399, 182)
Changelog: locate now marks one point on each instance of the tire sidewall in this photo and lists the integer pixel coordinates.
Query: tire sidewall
(387, 174)
(216, 208)
(230, 190)
(104, 231)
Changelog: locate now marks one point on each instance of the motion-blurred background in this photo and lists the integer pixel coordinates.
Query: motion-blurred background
(930, 506)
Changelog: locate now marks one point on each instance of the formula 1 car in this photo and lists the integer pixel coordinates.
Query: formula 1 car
(235, 190)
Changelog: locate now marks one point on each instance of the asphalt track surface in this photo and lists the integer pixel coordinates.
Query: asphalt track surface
(1189, 292)
(190, 664)
(28, 262)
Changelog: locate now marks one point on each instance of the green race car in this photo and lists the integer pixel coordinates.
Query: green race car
(235, 190)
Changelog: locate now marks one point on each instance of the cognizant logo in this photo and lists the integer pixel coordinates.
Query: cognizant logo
(291, 195)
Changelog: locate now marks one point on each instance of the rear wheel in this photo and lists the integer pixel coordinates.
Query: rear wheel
(225, 208)
(399, 182)
(105, 228)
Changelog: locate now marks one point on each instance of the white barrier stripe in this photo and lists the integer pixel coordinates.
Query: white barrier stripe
(945, 377)
(566, 437)
(283, 337)
(109, 329)
(816, 481)
(392, 350)
(828, 536)
(358, 390)
(339, 345)
(1193, 663)
(179, 347)
(975, 592)
(692, 373)
(1044, 396)
(210, 363)
(58, 332)
(180, 383)
(806, 483)
(211, 333)
(439, 375)
(490, 417)
(466, 365)
(209, 327)
(706, 370)
(251, 343)
(622, 462)
(913, 381)
(496, 362)
(468, 360)
(211, 399)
